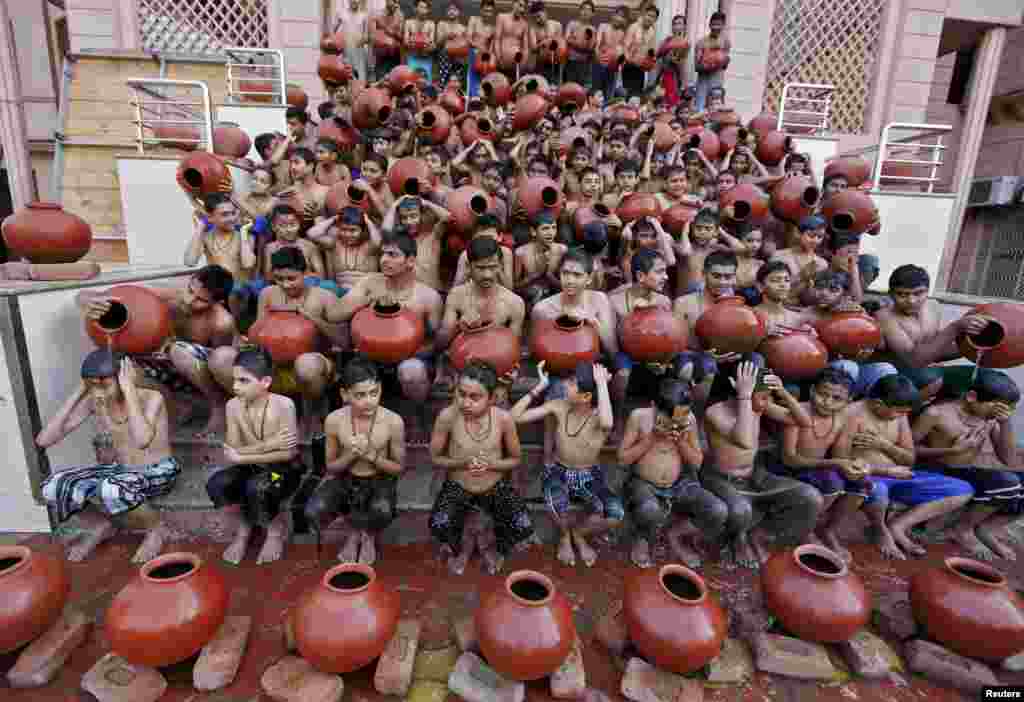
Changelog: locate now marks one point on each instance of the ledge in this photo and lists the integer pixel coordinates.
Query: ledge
(112, 276)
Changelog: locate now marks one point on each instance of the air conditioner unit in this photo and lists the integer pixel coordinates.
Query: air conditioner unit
(991, 192)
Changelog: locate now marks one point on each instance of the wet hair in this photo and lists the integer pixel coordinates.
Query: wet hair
(481, 372)
(894, 391)
(543, 217)
(538, 160)
(296, 113)
(831, 279)
(214, 200)
(678, 17)
(644, 261)
(627, 164)
(585, 380)
(482, 247)
(325, 110)
(717, 16)
(730, 172)
(256, 361)
(403, 242)
(653, 8)
(995, 386)
(720, 258)
(359, 370)
(216, 280)
(305, 154)
(908, 277)
(838, 240)
(671, 394)
(589, 170)
(329, 145)
(101, 363)
(381, 161)
(288, 258)
(535, 6)
(487, 221)
(812, 222)
(835, 376)
(595, 237)
(491, 166)
(280, 210)
(706, 216)
(264, 141)
(674, 169)
(351, 216)
(576, 255)
(772, 267)
(488, 3)
(267, 170)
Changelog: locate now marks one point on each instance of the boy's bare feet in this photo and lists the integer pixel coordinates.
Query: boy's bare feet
(966, 538)
(274, 545)
(587, 553)
(831, 541)
(903, 540)
(93, 535)
(641, 554)
(990, 536)
(493, 561)
(367, 549)
(887, 545)
(153, 544)
(457, 564)
(236, 551)
(746, 554)
(690, 557)
(566, 555)
(349, 552)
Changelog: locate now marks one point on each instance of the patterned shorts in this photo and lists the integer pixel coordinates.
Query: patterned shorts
(159, 368)
(118, 488)
(563, 485)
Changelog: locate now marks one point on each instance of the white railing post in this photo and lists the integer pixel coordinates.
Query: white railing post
(256, 65)
(923, 131)
(817, 104)
(156, 97)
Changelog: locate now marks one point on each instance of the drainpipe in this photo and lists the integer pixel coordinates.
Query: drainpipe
(57, 168)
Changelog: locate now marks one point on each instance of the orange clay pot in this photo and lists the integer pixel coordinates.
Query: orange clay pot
(764, 123)
(729, 326)
(409, 176)
(748, 202)
(795, 356)
(540, 193)
(498, 346)
(485, 64)
(773, 147)
(855, 169)
(563, 343)
(387, 333)
(849, 334)
(585, 215)
(44, 233)
(34, 587)
(675, 218)
(496, 89)
(467, 204)
(637, 206)
(340, 132)
(530, 109)
(285, 335)
(1001, 343)
(705, 140)
(571, 96)
(202, 173)
(652, 334)
(795, 198)
(371, 108)
(850, 211)
(334, 69)
(230, 140)
(138, 321)
(295, 96)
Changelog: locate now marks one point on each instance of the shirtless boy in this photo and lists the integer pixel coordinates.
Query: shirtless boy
(133, 452)
(610, 40)
(710, 76)
(774, 280)
(538, 263)
(487, 227)
(803, 260)
(477, 446)
(286, 224)
(702, 234)
(409, 212)
(512, 28)
(220, 240)
(352, 243)
(365, 458)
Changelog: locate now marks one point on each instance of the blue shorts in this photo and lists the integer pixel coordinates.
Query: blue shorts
(255, 286)
(921, 489)
(995, 488)
(829, 481)
(562, 486)
(864, 375)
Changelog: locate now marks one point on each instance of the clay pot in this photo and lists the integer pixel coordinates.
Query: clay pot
(342, 195)
(795, 198)
(748, 202)
(138, 321)
(230, 140)
(563, 342)
(855, 169)
(849, 334)
(33, 587)
(202, 173)
(178, 136)
(486, 64)
(371, 108)
(434, 123)
(453, 101)
(285, 335)
(573, 138)
(498, 346)
(401, 79)
(672, 618)
(1001, 343)
(538, 194)
(625, 114)
(333, 43)
(773, 147)
(340, 132)
(384, 44)
(167, 612)
(611, 57)
(795, 356)
(732, 136)
(814, 595)
(968, 606)
(725, 118)
(475, 126)
(44, 233)
(525, 627)
(257, 90)
(387, 333)
(851, 211)
(467, 204)
(296, 96)
(585, 215)
(571, 96)
(556, 52)
(352, 594)
(510, 54)
(409, 176)
(675, 47)
(583, 43)
(530, 109)
(664, 137)
(675, 218)
(334, 70)
(764, 123)
(705, 140)
(457, 48)
(496, 89)
(714, 60)
(729, 326)
(652, 334)
(637, 206)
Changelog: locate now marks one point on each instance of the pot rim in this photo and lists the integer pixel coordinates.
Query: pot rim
(565, 323)
(361, 568)
(969, 339)
(44, 205)
(181, 556)
(376, 307)
(520, 575)
(952, 562)
(23, 553)
(679, 569)
(827, 554)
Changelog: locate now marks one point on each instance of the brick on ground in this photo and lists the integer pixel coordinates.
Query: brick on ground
(219, 661)
(733, 665)
(42, 659)
(395, 666)
(113, 679)
(475, 681)
(868, 655)
(435, 665)
(785, 655)
(645, 683)
(943, 666)
(893, 616)
(293, 679)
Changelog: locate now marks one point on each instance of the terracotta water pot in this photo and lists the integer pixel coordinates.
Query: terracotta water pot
(611, 56)
(625, 114)
(574, 138)
(637, 206)
(509, 54)
(475, 126)
(371, 108)
(401, 79)
(705, 140)
(764, 123)
(735, 135)
(968, 606)
(795, 356)
(387, 333)
(851, 211)
(340, 132)
(652, 334)
(296, 96)
(795, 198)
(230, 140)
(538, 193)
(168, 611)
(384, 44)
(773, 147)
(525, 626)
(747, 202)
(496, 89)
(44, 233)
(285, 335)
(409, 175)
(675, 47)
(486, 64)
(467, 204)
(342, 195)
(715, 60)
(585, 215)
(333, 43)
(434, 123)
(849, 334)
(33, 587)
(855, 169)
(453, 101)
(563, 342)
(257, 90)
(815, 596)
(530, 109)
(1001, 343)
(457, 48)
(571, 97)
(202, 173)
(725, 118)
(729, 326)
(346, 620)
(334, 69)
(672, 618)
(675, 218)
(584, 42)
(664, 137)
(556, 52)
(178, 136)
(496, 345)
(138, 321)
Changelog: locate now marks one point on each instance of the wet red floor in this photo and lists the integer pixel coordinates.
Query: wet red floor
(266, 593)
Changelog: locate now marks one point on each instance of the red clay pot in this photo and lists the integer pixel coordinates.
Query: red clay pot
(453, 101)
(855, 169)
(969, 607)
(637, 206)
(257, 90)
(814, 595)
(434, 123)
(33, 587)
(849, 334)
(486, 64)
(1001, 343)
(457, 48)
(851, 211)
(340, 132)
(178, 136)
(725, 118)
(652, 334)
(387, 333)
(675, 218)
(138, 321)
(371, 108)
(585, 215)
(625, 114)
(346, 620)
(510, 54)
(571, 96)
(530, 109)
(729, 326)
(285, 335)
(342, 195)
(675, 46)
(476, 126)
(764, 123)
(230, 140)
(525, 626)
(168, 612)
(334, 69)
(611, 57)
(795, 198)
(795, 356)
(296, 96)
(384, 44)
(672, 618)
(715, 60)
(496, 89)
(748, 202)
(538, 194)
(574, 138)
(401, 79)
(499, 346)
(563, 342)
(664, 137)
(202, 173)
(734, 135)
(773, 147)
(44, 233)
(555, 53)
(333, 43)
(409, 176)
(467, 204)
(705, 140)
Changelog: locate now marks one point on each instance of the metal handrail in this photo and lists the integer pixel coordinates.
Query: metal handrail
(242, 65)
(821, 98)
(148, 116)
(937, 149)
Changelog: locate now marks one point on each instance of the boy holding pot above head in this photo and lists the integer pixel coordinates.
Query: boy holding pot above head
(219, 238)
(352, 243)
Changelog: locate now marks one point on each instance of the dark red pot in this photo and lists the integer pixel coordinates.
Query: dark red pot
(795, 356)
(637, 206)
(855, 169)
(968, 606)
(44, 233)
(652, 334)
(498, 346)
(675, 218)
(33, 587)
(795, 198)
(139, 321)
(585, 215)
(538, 193)
(625, 114)
(851, 211)
(230, 140)
(342, 195)
(525, 626)
(387, 333)
(571, 94)
(384, 44)
(715, 59)
(334, 70)
(257, 90)
(178, 136)
(402, 78)
(530, 109)
(510, 54)
(285, 335)
(486, 64)
(764, 123)
(371, 108)
(815, 596)
(555, 53)
(409, 175)
(705, 140)
(332, 43)
(475, 126)
(664, 137)
(732, 136)
(340, 132)
(747, 202)
(1001, 343)
(675, 47)
(729, 326)
(202, 173)
(296, 96)
(467, 204)
(672, 618)
(167, 612)
(434, 123)
(457, 48)
(849, 334)
(564, 343)
(496, 89)
(773, 147)
(453, 101)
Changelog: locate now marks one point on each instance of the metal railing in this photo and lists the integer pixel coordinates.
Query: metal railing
(256, 75)
(906, 146)
(176, 112)
(806, 106)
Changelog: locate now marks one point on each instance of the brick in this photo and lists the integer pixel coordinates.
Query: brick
(43, 658)
(784, 655)
(293, 679)
(893, 616)
(610, 629)
(113, 679)
(218, 663)
(570, 680)
(733, 665)
(645, 683)
(943, 666)
(435, 665)
(869, 656)
(465, 633)
(475, 681)
(394, 668)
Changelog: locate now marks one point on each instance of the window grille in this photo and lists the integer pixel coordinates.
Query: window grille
(203, 27)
